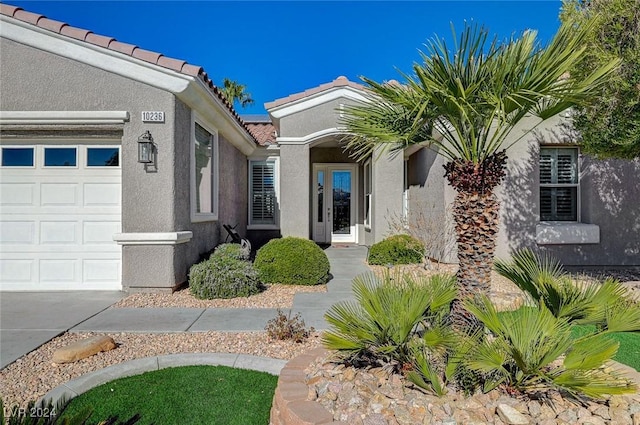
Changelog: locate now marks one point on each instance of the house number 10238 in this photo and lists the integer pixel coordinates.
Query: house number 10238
(152, 116)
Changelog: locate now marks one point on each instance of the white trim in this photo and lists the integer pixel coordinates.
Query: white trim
(317, 99)
(353, 236)
(564, 233)
(168, 238)
(197, 217)
(63, 117)
(311, 137)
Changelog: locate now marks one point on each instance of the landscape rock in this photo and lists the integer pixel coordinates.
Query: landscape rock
(511, 416)
(83, 348)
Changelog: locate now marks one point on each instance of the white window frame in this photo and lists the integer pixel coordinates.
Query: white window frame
(69, 167)
(276, 174)
(96, 167)
(33, 147)
(197, 217)
(368, 193)
(553, 185)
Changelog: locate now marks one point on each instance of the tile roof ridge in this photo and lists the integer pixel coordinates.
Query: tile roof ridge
(340, 81)
(110, 43)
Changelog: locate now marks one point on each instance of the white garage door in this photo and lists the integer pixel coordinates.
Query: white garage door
(60, 206)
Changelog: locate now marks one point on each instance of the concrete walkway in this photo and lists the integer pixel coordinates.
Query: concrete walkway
(345, 263)
(30, 319)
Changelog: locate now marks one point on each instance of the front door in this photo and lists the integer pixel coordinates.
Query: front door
(334, 203)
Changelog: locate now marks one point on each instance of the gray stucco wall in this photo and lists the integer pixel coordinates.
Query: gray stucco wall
(315, 119)
(387, 174)
(154, 199)
(294, 190)
(609, 195)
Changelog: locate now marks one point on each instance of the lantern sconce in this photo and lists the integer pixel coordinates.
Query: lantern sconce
(145, 148)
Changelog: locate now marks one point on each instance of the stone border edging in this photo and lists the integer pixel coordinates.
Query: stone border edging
(291, 405)
(84, 383)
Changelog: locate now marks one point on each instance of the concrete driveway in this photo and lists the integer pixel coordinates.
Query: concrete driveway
(29, 319)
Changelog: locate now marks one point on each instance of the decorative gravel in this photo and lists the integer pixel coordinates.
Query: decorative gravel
(275, 296)
(32, 376)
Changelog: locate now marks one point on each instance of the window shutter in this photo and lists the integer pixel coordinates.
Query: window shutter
(559, 184)
(263, 202)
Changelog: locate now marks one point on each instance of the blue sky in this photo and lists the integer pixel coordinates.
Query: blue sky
(281, 48)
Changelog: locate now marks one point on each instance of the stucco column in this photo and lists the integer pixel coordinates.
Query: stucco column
(387, 174)
(294, 190)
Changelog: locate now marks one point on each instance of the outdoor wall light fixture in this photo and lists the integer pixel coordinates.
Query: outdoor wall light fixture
(145, 148)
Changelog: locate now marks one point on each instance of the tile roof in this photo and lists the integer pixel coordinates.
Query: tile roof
(264, 132)
(341, 81)
(111, 43)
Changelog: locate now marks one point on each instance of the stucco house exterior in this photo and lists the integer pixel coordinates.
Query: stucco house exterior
(79, 210)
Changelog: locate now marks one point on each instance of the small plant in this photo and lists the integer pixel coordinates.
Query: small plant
(608, 305)
(379, 327)
(292, 261)
(397, 249)
(233, 250)
(284, 327)
(224, 275)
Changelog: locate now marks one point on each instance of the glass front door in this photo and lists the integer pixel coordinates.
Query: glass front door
(334, 203)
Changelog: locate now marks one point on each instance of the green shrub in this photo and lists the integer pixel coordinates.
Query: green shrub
(398, 249)
(224, 275)
(232, 250)
(292, 261)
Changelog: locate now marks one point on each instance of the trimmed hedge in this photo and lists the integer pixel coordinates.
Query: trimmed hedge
(226, 274)
(292, 261)
(397, 249)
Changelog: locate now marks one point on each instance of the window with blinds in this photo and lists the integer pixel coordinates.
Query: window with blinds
(263, 192)
(558, 184)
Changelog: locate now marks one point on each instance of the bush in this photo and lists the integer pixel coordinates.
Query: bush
(224, 275)
(292, 261)
(232, 250)
(398, 249)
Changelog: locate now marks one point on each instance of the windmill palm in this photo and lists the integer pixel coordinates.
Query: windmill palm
(236, 92)
(465, 103)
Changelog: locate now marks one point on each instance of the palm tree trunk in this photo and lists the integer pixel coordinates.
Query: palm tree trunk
(476, 225)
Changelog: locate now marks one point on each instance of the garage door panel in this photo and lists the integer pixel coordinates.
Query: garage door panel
(57, 226)
(17, 270)
(18, 232)
(99, 232)
(63, 194)
(103, 194)
(61, 270)
(58, 232)
(17, 194)
(101, 270)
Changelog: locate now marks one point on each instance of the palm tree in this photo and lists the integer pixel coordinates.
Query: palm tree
(464, 104)
(235, 92)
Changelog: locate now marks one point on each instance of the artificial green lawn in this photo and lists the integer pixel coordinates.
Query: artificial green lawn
(184, 395)
(629, 351)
